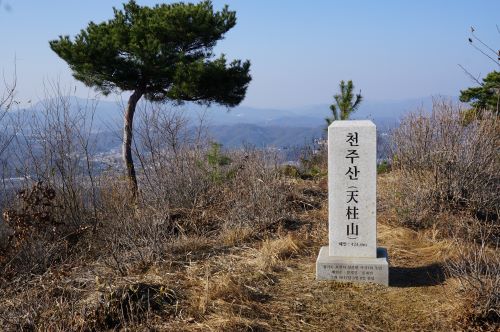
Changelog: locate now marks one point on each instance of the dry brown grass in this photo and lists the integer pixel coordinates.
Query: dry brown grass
(238, 280)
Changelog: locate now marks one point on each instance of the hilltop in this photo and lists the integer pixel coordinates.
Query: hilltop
(221, 239)
(241, 280)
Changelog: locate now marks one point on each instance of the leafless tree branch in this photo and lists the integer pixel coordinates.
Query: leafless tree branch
(472, 77)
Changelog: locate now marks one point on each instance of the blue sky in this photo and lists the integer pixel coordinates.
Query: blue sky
(299, 50)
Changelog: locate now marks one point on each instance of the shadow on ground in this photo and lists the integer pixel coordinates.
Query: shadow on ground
(421, 276)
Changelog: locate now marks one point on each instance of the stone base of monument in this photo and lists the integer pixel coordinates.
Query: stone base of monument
(353, 269)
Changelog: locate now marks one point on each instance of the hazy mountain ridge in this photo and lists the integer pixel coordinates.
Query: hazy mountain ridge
(243, 125)
(236, 135)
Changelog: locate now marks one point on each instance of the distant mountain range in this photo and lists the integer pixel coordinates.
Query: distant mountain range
(256, 126)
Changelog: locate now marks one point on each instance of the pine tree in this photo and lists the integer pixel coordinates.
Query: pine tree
(485, 97)
(159, 53)
(344, 105)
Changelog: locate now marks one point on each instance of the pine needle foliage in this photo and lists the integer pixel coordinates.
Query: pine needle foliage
(485, 97)
(164, 53)
(346, 102)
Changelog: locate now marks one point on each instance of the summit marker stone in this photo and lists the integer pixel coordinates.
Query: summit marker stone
(352, 254)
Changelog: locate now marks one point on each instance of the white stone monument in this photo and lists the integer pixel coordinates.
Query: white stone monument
(352, 254)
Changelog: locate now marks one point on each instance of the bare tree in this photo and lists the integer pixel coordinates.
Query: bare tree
(6, 102)
(7, 131)
(487, 95)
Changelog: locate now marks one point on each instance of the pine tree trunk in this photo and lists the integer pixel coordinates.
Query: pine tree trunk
(127, 141)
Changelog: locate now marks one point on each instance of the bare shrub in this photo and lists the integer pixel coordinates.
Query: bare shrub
(171, 153)
(477, 267)
(57, 148)
(446, 164)
(185, 177)
(191, 190)
(257, 193)
(35, 226)
(58, 200)
(313, 160)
